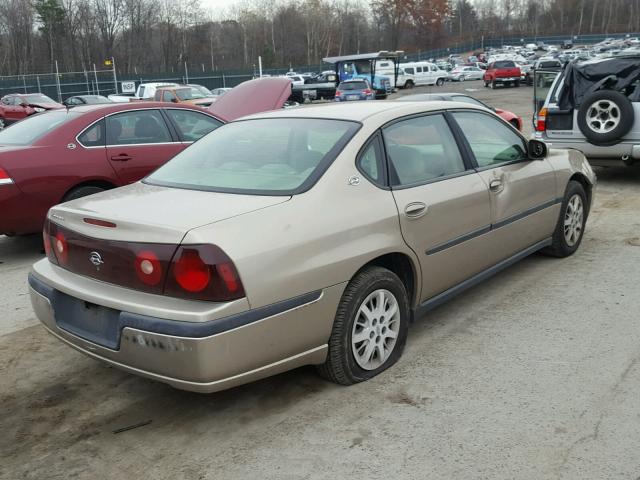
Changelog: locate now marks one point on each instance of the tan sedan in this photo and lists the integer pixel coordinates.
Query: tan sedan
(308, 236)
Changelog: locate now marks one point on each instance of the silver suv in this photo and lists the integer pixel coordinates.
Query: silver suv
(591, 107)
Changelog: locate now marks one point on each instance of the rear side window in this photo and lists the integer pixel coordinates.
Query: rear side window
(137, 127)
(93, 136)
(421, 149)
(409, 70)
(492, 142)
(192, 125)
(371, 162)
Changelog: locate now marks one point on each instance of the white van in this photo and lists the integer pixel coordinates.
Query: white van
(425, 73)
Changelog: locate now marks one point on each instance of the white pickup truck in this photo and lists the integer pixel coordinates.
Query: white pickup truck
(145, 91)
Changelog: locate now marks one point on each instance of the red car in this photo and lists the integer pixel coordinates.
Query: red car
(506, 115)
(66, 154)
(15, 107)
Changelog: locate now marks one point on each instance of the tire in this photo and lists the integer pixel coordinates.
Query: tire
(493, 85)
(564, 244)
(3, 123)
(440, 82)
(486, 84)
(605, 117)
(408, 84)
(517, 84)
(80, 192)
(342, 366)
(515, 124)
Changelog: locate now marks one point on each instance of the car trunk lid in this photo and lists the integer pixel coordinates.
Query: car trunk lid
(253, 96)
(175, 211)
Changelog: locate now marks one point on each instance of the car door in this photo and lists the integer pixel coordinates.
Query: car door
(443, 203)
(138, 142)
(523, 192)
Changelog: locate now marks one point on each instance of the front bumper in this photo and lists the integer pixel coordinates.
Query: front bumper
(201, 356)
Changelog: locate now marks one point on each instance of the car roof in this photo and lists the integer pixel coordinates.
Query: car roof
(361, 111)
(107, 108)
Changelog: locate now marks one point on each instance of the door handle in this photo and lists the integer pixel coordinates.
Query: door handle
(415, 209)
(496, 185)
(123, 157)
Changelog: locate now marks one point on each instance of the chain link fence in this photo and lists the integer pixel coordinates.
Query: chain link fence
(105, 82)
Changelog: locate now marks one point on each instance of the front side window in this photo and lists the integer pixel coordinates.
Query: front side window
(192, 125)
(492, 142)
(137, 127)
(275, 156)
(421, 149)
(409, 70)
(167, 96)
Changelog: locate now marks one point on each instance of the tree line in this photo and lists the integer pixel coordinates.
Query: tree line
(150, 36)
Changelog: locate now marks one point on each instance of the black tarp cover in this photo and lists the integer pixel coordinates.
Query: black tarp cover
(582, 79)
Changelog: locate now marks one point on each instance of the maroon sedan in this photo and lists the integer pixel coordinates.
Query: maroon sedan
(65, 154)
(15, 107)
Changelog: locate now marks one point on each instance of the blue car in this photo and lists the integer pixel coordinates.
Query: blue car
(354, 90)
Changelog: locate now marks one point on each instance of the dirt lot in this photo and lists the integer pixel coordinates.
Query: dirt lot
(534, 374)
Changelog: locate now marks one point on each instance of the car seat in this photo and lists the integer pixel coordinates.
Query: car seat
(114, 130)
(148, 128)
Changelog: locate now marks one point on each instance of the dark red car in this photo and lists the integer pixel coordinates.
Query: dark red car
(66, 154)
(15, 107)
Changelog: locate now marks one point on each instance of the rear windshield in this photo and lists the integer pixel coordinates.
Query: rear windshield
(353, 86)
(275, 156)
(32, 128)
(504, 64)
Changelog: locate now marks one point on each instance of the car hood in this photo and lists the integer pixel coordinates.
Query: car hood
(46, 106)
(154, 214)
(253, 96)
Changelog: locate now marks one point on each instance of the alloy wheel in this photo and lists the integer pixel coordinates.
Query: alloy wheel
(375, 329)
(603, 116)
(573, 219)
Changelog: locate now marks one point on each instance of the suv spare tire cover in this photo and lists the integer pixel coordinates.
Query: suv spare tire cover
(605, 117)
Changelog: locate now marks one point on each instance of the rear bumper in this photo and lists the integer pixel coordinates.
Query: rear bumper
(618, 152)
(204, 356)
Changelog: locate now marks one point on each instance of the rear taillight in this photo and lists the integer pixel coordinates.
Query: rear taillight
(203, 272)
(367, 92)
(5, 179)
(196, 272)
(338, 93)
(541, 120)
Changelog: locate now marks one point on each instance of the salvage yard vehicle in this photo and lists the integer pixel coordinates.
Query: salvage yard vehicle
(514, 120)
(364, 66)
(593, 107)
(463, 72)
(183, 94)
(16, 107)
(306, 236)
(145, 91)
(502, 72)
(92, 148)
(354, 90)
(320, 87)
(425, 73)
(85, 100)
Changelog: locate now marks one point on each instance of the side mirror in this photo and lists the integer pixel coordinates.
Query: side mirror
(537, 150)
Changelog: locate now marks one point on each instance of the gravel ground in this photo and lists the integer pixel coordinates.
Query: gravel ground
(534, 374)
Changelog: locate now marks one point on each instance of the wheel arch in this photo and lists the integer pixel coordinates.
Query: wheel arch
(96, 182)
(586, 184)
(402, 265)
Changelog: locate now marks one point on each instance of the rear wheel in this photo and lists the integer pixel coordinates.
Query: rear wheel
(493, 85)
(2, 124)
(80, 192)
(408, 84)
(440, 82)
(517, 83)
(370, 327)
(570, 227)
